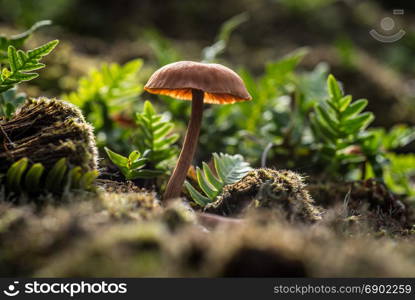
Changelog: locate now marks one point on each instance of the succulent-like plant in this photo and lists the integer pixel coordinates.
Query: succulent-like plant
(229, 169)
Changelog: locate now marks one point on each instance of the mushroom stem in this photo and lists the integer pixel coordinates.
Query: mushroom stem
(175, 184)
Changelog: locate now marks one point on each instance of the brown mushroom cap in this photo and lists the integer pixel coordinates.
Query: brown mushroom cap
(220, 84)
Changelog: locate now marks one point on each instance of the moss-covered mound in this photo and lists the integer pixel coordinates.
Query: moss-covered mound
(367, 202)
(281, 191)
(46, 130)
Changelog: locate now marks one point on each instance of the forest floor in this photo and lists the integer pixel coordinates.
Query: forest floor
(125, 231)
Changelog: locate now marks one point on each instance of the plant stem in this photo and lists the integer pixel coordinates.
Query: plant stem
(175, 184)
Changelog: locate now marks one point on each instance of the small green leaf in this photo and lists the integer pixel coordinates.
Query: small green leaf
(134, 156)
(334, 89)
(87, 180)
(206, 187)
(13, 59)
(144, 173)
(230, 168)
(355, 108)
(211, 178)
(358, 123)
(43, 50)
(15, 173)
(196, 196)
(116, 158)
(54, 179)
(75, 175)
(33, 176)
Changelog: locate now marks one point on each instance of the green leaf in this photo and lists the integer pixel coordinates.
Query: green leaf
(204, 184)
(344, 102)
(75, 175)
(15, 173)
(230, 168)
(196, 196)
(138, 163)
(145, 173)
(21, 64)
(324, 114)
(33, 176)
(334, 89)
(87, 180)
(358, 123)
(355, 108)
(211, 178)
(13, 60)
(116, 158)
(18, 40)
(42, 51)
(54, 178)
(134, 156)
(155, 134)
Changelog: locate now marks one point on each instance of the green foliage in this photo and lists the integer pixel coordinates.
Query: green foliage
(154, 140)
(247, 127)
(104, 93)
(155, 135)
(18, 66)
(229, 169)
(9, 100)
(18, 40)
(22, 64)
(34, 179)
(132, 167)
(399, 174)
(338, 124)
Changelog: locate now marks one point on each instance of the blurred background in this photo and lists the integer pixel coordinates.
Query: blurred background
(251, 36)
(337, 31)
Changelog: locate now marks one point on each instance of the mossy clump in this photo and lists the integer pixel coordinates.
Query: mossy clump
(46, 130)
(177, 214)
(367, 202)
(138, 206)
(282, 191)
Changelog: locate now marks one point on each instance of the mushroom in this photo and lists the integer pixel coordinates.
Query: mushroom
(198, 82)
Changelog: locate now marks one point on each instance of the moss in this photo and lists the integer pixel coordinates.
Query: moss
(282, 191)
(109, 236)
(141, 205)
(368, 202)
(46, 130)
(124, 250)
(178, 214)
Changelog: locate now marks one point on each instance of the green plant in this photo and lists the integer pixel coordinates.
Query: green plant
(155, 134)
(339, 125)
(9, 101)
(399, 174)
(18, 66)
(18, 40)
(103, 94)
(33, 179)
(22, 64)
(229, 169)
(132, 167)
(154, 140)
